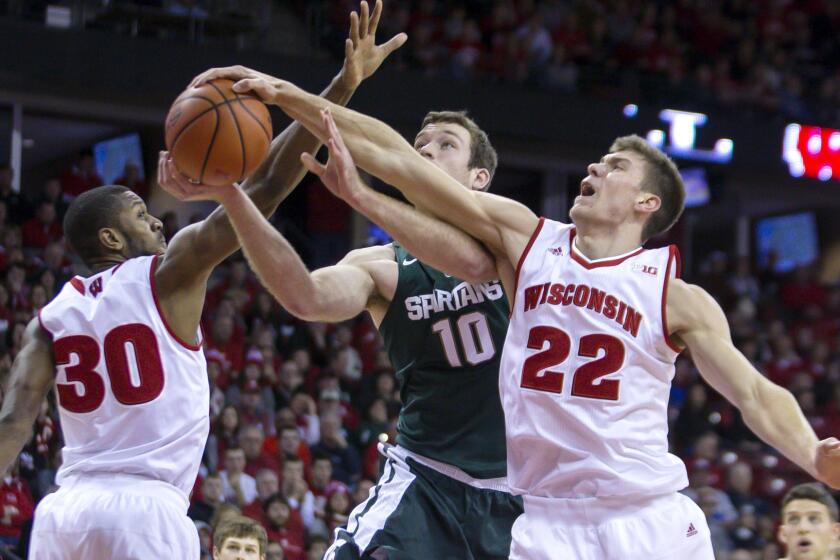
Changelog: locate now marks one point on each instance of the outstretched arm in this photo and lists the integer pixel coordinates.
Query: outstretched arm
(434, 242)
(335, 293)
(31, 378)
(769, 410)
(503, 225)
(198, 248)
(182, 274)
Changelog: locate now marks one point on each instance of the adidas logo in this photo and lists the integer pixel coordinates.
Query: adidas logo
(556, 251)
(691, 530)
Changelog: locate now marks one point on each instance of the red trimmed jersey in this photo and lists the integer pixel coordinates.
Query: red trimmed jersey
(586, 372)
(133, 398)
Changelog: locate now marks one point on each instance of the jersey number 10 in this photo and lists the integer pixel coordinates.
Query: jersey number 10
(149, 369)
(474, 333)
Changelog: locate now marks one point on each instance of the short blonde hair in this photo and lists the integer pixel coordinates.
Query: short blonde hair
(240, 527)
(662, 178)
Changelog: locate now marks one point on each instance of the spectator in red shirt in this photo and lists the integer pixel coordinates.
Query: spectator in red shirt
(338, 505)
(16, 506)
(291, 445)
(296, 490)
(225, 338)
(44, 228)
(268, 484)
(251, 438)
(283, 525)
(81, 177)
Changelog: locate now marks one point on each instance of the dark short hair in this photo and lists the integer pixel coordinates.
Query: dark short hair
(240, 527)
(662, 178)
(89, 213)
(482, 153)
(276, 497)
(816, 493)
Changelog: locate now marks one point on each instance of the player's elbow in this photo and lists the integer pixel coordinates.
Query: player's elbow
(479, 268)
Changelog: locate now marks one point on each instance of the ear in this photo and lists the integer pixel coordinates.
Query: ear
(647, 203)
(111, 239)
(480, 177)
(780, 534)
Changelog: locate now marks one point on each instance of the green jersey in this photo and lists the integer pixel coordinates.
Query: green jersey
(444, 337)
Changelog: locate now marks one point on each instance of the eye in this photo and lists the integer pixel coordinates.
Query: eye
(447, 144)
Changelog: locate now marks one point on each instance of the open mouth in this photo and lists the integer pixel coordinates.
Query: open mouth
(804, 544)
(586, 189)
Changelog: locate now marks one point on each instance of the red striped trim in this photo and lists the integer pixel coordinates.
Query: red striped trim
(78, 284)
(673, 256)
(178, 339)
(590, 265)
(522, 261)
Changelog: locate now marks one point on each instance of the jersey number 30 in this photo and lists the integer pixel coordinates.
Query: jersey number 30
(146, 387)
(583, 380)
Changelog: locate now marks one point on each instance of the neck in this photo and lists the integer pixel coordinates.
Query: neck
(104, 263)
(605, 242)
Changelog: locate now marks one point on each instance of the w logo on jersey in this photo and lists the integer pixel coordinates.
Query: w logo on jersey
(96, 287)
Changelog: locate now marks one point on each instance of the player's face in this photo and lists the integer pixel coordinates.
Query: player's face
(807, 530)
(143, 232)
(609, 193)
(448, 145)
(239, 549)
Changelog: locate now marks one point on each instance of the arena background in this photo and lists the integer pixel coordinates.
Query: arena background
(743, 94)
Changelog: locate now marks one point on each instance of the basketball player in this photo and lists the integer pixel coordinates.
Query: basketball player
(597, 323)
(442, 493)
(810, 526)
(123, 349)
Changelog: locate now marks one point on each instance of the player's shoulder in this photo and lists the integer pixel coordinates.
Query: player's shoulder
(367, 255)
(689, 305)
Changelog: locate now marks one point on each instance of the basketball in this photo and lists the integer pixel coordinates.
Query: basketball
(217, 136)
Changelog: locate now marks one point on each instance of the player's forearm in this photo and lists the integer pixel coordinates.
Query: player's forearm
(13, 436)
(282, 271)
(431, 240)
(270, 255)
(773, 414)
(282, 171)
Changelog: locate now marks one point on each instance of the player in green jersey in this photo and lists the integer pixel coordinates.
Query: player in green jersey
(443, 493)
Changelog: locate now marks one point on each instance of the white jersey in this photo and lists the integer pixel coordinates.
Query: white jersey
(133, 398)
(586, 372)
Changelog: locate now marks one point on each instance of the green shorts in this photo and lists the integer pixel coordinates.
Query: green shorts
(418, 513)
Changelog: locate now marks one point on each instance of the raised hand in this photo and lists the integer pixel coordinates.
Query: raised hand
(339, 174)
(182, 188)
(362, 56)
(827, 462)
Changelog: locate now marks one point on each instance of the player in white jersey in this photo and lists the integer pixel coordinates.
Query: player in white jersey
(597, 323)
(123, 349)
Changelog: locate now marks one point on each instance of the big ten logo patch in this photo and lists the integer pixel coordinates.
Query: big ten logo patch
(646, 268)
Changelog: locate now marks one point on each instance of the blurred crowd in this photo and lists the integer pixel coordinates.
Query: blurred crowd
(771, 57)
(298, 409)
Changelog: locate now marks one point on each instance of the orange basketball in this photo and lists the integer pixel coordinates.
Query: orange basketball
(217, 136)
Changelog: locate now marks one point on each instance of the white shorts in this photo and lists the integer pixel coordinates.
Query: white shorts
(659, 528)
(114, 517)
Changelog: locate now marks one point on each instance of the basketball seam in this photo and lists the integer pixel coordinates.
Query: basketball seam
(192, 120)
(191, 123)
(210, 145)
(253, 116)
(238, 130)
